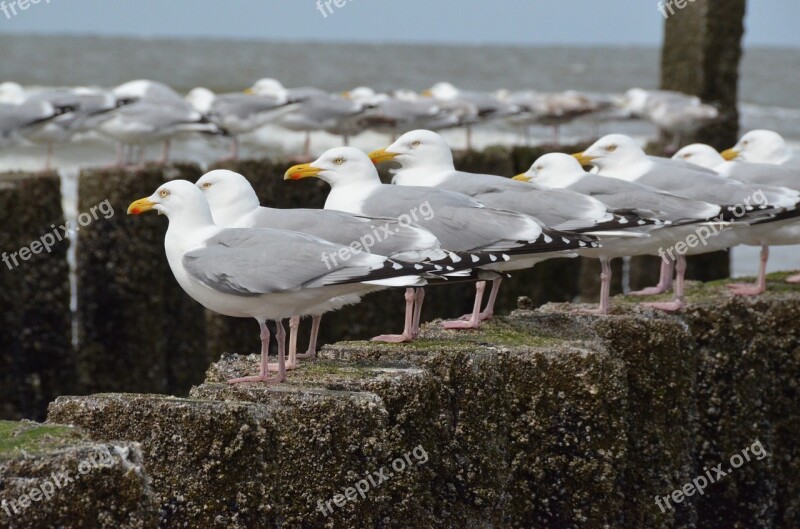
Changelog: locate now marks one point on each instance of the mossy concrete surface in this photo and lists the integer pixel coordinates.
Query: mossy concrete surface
(54, 476)
(545, 418)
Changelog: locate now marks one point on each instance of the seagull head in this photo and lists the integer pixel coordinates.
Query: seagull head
(417, 149)
(267, 87)
(612, 151)
(201, 99)
(12, 93)
(700, 154)
(339, 166)
(759, 146)
(229, 195)
(178, 200)
(443, 91)
(553, 170)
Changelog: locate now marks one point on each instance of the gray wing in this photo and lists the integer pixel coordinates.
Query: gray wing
(388, 236)
(764, 174)
(458, 221)
(15, 117)
(554, 208)
(248, 262)
(243, 105)
(621, 194)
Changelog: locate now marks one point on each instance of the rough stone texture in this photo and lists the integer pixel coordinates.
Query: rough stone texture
(74, 482)
(137, 330)
(36, 358)
(701, 54)
(545, 418)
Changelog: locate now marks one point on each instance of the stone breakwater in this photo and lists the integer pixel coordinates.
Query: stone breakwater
(544, 418)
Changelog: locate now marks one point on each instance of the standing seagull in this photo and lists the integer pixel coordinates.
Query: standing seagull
(459, 222)
(262, 274)
(785, 231)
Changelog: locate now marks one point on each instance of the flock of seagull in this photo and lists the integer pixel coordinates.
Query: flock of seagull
(143, 112)
(437, 226)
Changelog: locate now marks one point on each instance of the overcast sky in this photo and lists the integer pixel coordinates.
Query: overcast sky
(516, 22)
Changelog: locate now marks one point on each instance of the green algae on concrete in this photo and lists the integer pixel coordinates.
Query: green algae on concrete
(53, 476)
(30, 437)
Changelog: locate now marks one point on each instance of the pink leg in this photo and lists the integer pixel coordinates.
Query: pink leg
(263, 375)
(605, 288)
(307, 146)
(488, 312)
(294, 325)
(664, 280)
(469, 138)
(680, 282)
(407, 336)
(280, 337)
(740, 289)
(419, 297)
(312, 339)
(474, 322)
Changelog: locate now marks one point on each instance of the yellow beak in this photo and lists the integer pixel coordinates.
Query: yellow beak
(249, 91)
(304, 170)
(427, 93)
(583, 158)
(522, 178)
(140, 206)
(730, 154)
(381, 155)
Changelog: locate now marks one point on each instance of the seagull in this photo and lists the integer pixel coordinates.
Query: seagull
(619, 156)
(764, 146)
(461, 223)
(475, 107)
(260, 273)
(153, 113)
(234, 204)
(785, 231)
(238, 113)
(317, 110)
(426, 160)
(80, 109)
(675, 112)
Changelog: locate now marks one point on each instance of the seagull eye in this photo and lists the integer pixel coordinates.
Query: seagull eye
(163, 193)
(415, 143)
(338, 161)
(611, 148)
(540, 168)
(206, 185)
(745, 142)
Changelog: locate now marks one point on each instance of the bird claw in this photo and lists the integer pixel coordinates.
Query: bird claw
(666, 306)
(393, 338)
(649, 291)
(741, 289)
(460, 324)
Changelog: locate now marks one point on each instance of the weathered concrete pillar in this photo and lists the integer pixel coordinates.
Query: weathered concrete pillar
(701, 55)
(37, 362)
(138, 330)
